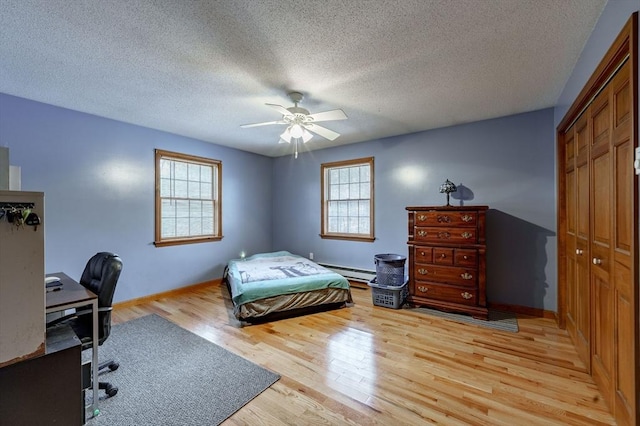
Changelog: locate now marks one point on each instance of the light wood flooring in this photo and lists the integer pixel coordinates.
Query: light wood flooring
(368, 365)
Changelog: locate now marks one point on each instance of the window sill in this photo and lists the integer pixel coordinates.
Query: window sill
(181, 241)
(349, 237)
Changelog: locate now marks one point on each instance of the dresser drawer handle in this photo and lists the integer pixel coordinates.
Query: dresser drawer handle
(423, 289)
(466, 295)
(422, 253)
(467, 235)
(443, 255)
(444, 219)
(466, 276)
(467, 218)
(422, 217)
(465, 257)
(444, 235)
(422, 233)
(422, 271)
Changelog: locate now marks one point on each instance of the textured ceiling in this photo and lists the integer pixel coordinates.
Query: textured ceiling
(203, 68)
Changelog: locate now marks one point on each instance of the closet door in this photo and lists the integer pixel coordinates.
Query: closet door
(622, 247)
(577, 204)
(601, 226)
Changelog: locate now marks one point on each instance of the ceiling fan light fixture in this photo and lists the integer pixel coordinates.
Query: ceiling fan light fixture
(296, 131)
(286, 135)
(306, 135)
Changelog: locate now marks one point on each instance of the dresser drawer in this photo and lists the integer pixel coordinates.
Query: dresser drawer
(466, 257)
(445, 235)
(423, 254)
(443, 256)
(447, 293)
(440, 218)
(447, 274)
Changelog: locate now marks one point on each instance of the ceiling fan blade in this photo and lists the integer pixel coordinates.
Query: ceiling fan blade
(322, 131)
(244, 126)
(282, 110)
(336, 114)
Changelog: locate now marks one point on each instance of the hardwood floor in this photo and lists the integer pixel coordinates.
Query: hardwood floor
(367, 365)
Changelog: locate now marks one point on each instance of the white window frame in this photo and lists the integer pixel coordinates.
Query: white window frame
(196, 202)
(329, 197)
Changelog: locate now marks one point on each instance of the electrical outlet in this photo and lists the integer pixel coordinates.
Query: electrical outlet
(311, 256)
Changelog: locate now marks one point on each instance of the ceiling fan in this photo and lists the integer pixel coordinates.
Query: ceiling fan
(300, 122)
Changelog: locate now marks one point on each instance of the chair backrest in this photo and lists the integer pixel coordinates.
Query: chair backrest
(101, 276)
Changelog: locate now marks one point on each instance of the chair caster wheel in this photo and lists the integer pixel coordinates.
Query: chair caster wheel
(111, 391)
(114, 366)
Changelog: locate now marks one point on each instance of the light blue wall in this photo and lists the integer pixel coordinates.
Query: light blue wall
(98, 178)
(505, 163)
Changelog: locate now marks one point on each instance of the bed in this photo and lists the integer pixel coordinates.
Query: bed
(281, 282)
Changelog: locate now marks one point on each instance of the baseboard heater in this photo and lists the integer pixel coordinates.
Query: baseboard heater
(352, 274)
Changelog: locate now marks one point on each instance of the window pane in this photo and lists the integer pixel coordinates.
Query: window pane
(353, 208)
(205, 190)
(354, 191)
(194, 189)
(333, 209)
(365, 173)
(180, 189)
(334, 192)
(168, 209)
(333, 224)
(365, 190)
(354, 174)
(344, 192)
(344, 175)
(182, 227)
(194, 172)
(363, 208)
(334, 176)
(168, 228)
(206, 174)
(182, 208)
(165, 187)
(353, 225)
(195, 226)
(343, 225)
(180, 170)
(343, 208)
(363, 226)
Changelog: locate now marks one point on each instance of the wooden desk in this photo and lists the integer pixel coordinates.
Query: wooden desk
(73, 295)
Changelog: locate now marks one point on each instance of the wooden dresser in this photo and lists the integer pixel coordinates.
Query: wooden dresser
(447, 258)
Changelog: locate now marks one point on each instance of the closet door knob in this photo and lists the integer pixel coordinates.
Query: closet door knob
(597, 261)
(579, 252)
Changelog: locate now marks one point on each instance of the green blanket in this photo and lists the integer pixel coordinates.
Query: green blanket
(272, 274)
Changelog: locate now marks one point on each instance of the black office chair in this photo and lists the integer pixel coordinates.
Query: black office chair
(99, 276)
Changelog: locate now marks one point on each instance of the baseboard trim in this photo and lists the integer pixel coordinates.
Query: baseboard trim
(165, 294)
(524, 310)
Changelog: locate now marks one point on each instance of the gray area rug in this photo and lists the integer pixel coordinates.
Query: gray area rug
(170, 376)
(503, 321)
